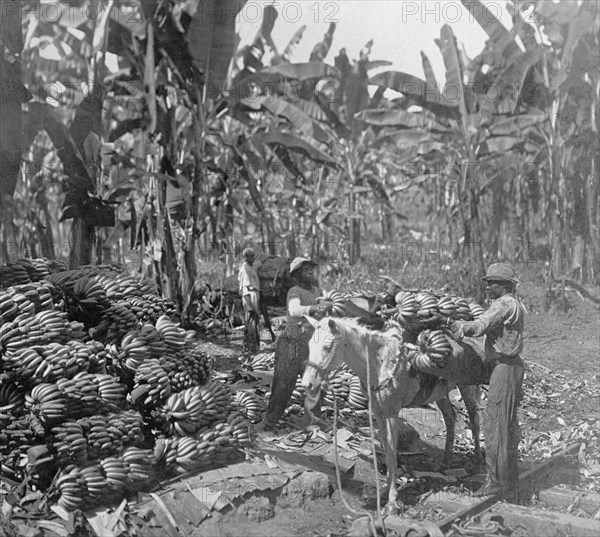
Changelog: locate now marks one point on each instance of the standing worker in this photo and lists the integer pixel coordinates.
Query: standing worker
(250, 293)
(291, 348)
(502, 324)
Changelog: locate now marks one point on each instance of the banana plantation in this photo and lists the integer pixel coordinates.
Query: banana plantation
(138, 132)
(143, 147)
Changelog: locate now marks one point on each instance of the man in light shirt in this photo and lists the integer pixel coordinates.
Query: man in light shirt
(250, 293)
(502, 324)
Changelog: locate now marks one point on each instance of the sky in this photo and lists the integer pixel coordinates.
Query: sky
(400, 29)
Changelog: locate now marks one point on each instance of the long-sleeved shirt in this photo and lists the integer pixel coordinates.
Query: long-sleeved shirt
(248, 279)
(502, 324)
(299, 301)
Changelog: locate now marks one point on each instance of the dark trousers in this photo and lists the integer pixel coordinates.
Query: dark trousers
(291, 353)
(251, 336)
(501, 425)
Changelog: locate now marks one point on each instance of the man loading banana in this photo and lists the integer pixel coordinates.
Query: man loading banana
(502, 324)
(291, 348)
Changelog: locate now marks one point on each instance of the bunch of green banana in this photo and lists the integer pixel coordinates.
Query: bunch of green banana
(151, 385)
(70, 443)
(137, 463)
(476, 310)
(70, 487)
(48, 403)
(407, 308)
(249, 405)
(356, 398)
(428, 305)
(187, 368)
(264, 361)
(336, 300)
(41, 294)
(463, 311)
(114, 323)
(176, 338)
(298, 394)
(116, 475)
(435, 344)
(12, 402)
(421, 361)
(447, 306)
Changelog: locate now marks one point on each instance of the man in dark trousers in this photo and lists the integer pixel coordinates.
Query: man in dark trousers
(291, 348)
(502, 324)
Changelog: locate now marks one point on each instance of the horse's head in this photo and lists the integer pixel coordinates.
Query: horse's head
(324, 355)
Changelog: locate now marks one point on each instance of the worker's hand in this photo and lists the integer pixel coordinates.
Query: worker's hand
(456, 330)
(318, 312)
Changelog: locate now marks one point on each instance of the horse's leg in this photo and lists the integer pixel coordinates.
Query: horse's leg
(389, 446)
(449, 415)
(470, 395)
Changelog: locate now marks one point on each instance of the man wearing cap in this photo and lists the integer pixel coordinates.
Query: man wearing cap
(291, 348)
(250, 293)
(502, 324)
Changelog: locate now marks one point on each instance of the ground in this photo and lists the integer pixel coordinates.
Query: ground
(561, 405)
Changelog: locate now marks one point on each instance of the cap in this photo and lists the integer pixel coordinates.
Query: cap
(299, 261)
(248, 251)
(501, 271)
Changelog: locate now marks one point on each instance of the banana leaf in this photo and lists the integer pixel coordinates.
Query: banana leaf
(292, 113)
(321, 49)
(408, 84)
(294, 143)
(404, 137)
(430, 79)
(293, 43)
(399, 118)
(504, 126)
(302, 71)
(499, 144)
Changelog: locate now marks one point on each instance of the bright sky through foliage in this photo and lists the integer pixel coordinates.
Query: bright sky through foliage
(400, 29)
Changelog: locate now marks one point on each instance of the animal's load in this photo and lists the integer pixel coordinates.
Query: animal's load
(336, 299)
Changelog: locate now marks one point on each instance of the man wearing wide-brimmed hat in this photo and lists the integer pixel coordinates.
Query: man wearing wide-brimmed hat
(502, 324)
(291, 348)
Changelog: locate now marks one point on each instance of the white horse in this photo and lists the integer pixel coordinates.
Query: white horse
(395, 383)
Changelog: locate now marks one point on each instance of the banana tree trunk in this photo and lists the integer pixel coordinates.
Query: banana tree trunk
(83, 238)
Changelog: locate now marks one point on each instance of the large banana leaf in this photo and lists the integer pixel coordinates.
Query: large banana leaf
(399, 118)
(294, 143)
(211, 37)
(321, 49)
(411, 85)
(300, 120)
(454, 74)
(293, 43)
(404, 137)
(501, 37)
(302, 71)
(499, 144)
(511, 125)
(428, 70)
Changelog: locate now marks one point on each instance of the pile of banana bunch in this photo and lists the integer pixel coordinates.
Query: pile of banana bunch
(264, 361)
(184, 413)
(53, 361)
(218, 443)
(85, 394)
(87, 439)
(148, 308)
(112, 477)
(335, 299)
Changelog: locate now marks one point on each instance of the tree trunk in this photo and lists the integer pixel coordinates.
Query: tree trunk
(82, 243)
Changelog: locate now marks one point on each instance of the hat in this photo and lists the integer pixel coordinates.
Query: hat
(502, 272)
(299, 261)
(248, 251)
